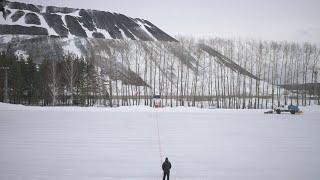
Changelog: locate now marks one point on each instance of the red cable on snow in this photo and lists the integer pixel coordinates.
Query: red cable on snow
(159, 139)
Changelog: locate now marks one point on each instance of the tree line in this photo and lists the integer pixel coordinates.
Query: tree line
(247, 74)
(69, 81)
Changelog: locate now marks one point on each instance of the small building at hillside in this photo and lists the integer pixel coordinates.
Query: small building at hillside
(156, 101)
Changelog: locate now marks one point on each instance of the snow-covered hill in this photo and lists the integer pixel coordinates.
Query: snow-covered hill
(29, 19)
(131, 52)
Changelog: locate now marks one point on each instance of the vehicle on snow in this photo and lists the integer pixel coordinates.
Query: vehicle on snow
(283, 108)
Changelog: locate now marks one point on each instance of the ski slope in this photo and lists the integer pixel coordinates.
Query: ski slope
(73, 143)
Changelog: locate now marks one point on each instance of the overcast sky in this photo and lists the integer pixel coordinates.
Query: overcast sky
(292, 20)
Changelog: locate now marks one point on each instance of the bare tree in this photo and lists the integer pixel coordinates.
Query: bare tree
(53, 81)
(71, 73)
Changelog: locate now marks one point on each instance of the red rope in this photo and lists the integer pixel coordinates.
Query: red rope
(159, 139)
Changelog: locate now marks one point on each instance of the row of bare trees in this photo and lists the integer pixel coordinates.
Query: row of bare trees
(233, 73)
(184, 75)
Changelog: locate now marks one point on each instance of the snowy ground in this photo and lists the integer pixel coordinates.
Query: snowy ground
(67, 143)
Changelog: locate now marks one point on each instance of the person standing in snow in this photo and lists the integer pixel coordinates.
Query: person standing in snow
(166, 166)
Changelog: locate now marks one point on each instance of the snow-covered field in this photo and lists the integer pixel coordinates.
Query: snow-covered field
(68, 143)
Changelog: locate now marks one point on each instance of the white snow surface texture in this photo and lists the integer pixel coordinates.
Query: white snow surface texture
(72, 143)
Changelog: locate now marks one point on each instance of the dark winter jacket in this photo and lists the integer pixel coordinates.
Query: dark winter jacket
(166, 166)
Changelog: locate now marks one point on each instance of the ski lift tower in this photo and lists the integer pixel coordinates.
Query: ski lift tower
(5, 92)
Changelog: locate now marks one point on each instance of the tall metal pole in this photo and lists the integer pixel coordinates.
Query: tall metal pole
(316, 88)
(5, 94)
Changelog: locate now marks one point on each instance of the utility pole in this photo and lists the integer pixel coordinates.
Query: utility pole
(5, 94)
(316, 88)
